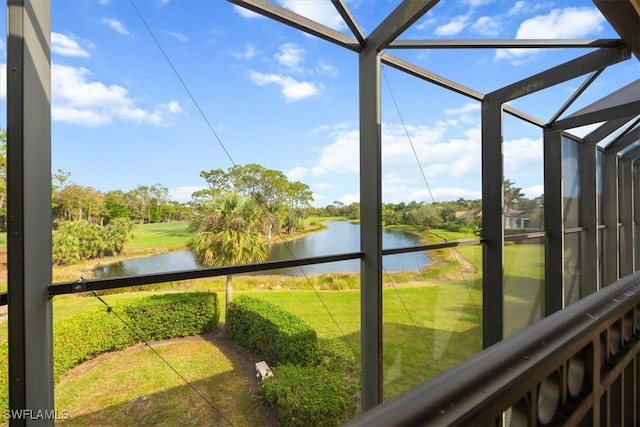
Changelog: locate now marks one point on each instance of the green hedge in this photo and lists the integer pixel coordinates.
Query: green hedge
(156, 317)
(87, 335)
(308, 396)
(278, 334)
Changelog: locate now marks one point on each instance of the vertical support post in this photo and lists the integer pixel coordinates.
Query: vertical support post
(29, 207)
(626, 217)
(492, 224)
(553, 222)
(589, 209)
(610, 246)
(370, 229)
(636, 215)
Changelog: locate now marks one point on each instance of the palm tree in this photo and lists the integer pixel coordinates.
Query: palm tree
(224, 235)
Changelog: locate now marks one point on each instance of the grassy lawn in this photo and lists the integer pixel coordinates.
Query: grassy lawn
(426, 330)
(431, 321)
(134, 387)
(169, 235)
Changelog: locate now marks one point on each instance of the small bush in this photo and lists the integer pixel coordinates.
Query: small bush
(174, 315)
(278, 334)
(309, 396)
(87, 335)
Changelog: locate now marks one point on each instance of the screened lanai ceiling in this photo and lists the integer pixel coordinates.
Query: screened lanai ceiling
(610, 118)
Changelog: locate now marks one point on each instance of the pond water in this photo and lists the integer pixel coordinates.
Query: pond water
(339, 237)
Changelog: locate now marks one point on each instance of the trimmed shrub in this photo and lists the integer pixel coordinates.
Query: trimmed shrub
(281, 336)
(174, 315)
(309, 396)
(85, 336)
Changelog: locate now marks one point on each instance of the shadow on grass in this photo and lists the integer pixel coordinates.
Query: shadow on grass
(175, 406)
(524, 303)
(413, 355)
(228, 398)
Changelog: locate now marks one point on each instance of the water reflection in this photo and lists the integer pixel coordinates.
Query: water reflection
(339, 237)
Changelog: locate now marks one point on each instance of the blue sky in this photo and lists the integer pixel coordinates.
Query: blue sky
(289, 101)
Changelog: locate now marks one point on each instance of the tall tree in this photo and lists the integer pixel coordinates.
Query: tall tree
(511, 195)
(225, 235)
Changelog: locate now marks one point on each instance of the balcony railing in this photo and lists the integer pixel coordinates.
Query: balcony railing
(579, 366)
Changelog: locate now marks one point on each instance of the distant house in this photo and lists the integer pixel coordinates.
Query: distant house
(518, 219)
(514, 219)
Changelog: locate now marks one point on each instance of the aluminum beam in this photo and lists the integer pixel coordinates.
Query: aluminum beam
(553, 222)
(610, 245)
(624, 102)
(624, 141)
(569, 70)
(606, 129)
(589, 215)
(505, 43)
(492, 224)
(626, 216)
(624, 16)
(636, 212)
(292, 19)
(431, 77)
(402, 17)
(29, 207)
(350, 20)
(621, 110)
(633, 154)
(576, 94)
(370, 229)
(421, 73)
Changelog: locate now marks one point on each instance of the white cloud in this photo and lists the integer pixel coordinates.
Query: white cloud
(297, 173)
(469, 113)
(116, 25)
(341, 156)
(291, 56)
(524, 7)
(476, 3)
(322, 186)
(469, 107)
(453, 27)
(440, 159)
(347, 199)
(249, 52)
(183, 194)
(568, 23)
(327, 69)
(104, 2)
(562, 23)
(292, 90)
(521, 153)
(78, 100)
(181, 37)
(320, 11)
(246, 13)
(487, 26)
(66, 46)
(533, 191)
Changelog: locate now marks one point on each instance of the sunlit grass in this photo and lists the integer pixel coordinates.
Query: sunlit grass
(170, 235)
(431, 319)
(135, 387)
